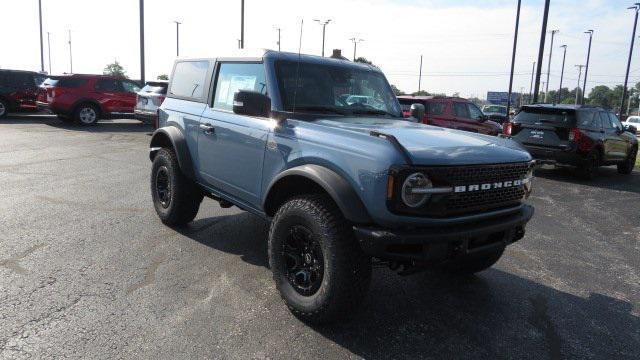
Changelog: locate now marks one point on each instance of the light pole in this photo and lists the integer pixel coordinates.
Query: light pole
(543, 35)
(278, 38)
(70, 55)
(546, 91)
(41, 43)
(355, 44)
(324, 26)
(533, 72)
(513, 57)
(420, 75)
(177, 37)
(241, 24)
(49, 50)
(142, 41)
(564, 56)
(635, 7)
(578, 87)
(586, 69)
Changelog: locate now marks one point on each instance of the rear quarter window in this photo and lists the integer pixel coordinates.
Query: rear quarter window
(188, 80)
(71, 83)
(435, 108)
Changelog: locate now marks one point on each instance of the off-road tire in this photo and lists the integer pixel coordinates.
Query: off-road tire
(474, 263)
(79, 114)
(347, 270)
(4, 108)
(627, 166)
(184, 196)
(589, 169)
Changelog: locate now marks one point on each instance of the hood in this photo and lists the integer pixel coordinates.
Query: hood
(430, 145)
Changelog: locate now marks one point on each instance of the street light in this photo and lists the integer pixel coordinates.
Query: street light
(142, 42)
(49, 49)
(355, 44)
(546, 91)
(513, 58)
(177, 37)
(324, 26)
(586, 69)
(543, 34)
(564, 56)
(533, 72)
(635, 7)
(70, 55)
(578, 87)
(278, 38)
(242, 24)
(41, 43)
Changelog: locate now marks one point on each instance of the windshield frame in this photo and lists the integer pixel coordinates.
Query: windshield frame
(338, 111)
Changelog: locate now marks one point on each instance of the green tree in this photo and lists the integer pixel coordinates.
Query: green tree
(421, 93)
(364, 61)
(396, 91)
(115, 69)
(163, 77)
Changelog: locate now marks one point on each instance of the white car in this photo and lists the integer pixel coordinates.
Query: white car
(633, 121)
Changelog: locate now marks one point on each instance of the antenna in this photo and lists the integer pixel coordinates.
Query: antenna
(295, 90)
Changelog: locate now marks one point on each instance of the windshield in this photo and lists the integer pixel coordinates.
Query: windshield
(554, 117)
(495, 109)
(344, 90)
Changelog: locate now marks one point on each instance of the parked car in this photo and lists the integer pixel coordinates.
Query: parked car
(149, 99)
(582, 136)
(86, 99)
(452, 113)
(497, 113)
(632, 122)
(339, 183)
(18, 90)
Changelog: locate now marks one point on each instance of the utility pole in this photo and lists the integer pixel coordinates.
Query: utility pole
(70, 55)
(142, 41)
(546, 91)
(513, 58)
(420, 76)
(241, 24)
(355, 44)
(324, 26)
(564, 56)
(49, 50)
(177, 37)
(635, 7)
(586, 69)
(278, 38)
(542, 88)
(533, 73)
(41, 43)
(578, 87)
(543, 35)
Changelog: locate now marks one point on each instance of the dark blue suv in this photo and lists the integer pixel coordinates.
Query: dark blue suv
(319, 148)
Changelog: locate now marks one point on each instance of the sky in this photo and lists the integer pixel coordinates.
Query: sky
(466, 45)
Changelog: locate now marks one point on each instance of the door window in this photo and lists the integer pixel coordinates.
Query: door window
(606, 122)
(130, 87)
(233, 77)
(435, 108)
(615, 122)
(475, 113)
(188, 79)
(108, 85)
(461, 110)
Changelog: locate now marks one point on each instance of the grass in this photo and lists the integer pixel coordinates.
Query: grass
(638, 162)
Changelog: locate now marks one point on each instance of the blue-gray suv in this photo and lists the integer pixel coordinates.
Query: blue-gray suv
(319, 148)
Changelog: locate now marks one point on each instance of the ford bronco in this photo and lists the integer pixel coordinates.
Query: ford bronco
(342, 183)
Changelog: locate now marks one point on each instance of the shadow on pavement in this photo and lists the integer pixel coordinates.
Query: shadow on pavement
(607, 178)
(492, 315)
(103, 126)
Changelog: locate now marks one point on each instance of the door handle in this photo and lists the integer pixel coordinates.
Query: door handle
(207, 128)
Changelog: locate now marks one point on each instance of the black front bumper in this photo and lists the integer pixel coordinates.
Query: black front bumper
(438, 244)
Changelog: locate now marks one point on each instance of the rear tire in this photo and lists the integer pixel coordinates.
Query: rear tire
(475, 263)
(589, 169)
(317, 264)
(86, 114)
(4, 108)
(629, 163)
(176, 198)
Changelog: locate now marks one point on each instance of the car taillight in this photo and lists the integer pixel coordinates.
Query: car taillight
(158, 100)
(507, 128)
(575, 135)
(584, 142)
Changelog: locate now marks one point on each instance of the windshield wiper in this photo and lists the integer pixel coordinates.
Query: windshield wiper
(373, 112)
(321, 108)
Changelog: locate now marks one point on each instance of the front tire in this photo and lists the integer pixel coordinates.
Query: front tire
(4, 109)
(176, 198)
(317, 264)
(86, 114)
(627, 166)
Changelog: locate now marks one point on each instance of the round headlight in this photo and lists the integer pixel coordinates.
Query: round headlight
(411, 190)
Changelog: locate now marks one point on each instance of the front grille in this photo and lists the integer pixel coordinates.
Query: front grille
(451, 204)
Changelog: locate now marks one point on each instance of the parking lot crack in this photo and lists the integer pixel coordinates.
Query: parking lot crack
(149, 276)
(13, 263)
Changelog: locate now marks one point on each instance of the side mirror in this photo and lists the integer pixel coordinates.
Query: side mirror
(483, 118)
(630, 128)
(251, 103)
(417, 112)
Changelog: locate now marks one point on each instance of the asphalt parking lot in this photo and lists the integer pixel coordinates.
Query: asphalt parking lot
(87, 270)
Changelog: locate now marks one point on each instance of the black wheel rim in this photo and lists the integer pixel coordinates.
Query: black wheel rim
(303, 260)
(163, 186)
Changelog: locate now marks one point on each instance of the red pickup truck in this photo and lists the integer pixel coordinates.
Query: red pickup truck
(451, 112)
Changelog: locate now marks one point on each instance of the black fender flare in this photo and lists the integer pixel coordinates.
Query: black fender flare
(173, 137)
(335, 185)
